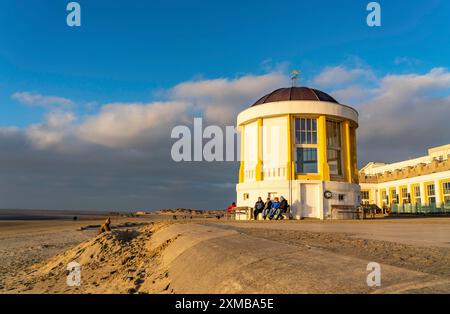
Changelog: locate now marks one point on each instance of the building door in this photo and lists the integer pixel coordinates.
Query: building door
(309, 200)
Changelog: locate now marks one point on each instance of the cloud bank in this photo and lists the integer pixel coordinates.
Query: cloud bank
(119, 157)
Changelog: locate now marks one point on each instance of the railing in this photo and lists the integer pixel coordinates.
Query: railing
(274, 173)
(249, 175)
(419, 209)
(407, 172)
(269, 173)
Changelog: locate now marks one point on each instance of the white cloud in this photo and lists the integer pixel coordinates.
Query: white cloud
(407, 114)
(52, 131)
(352, 95)
(221, 99)
(338, 75)
(122, 124)
(39, 100)
(125, 124)
(136, 124)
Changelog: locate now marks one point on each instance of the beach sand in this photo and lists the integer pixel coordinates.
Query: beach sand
(210, 256)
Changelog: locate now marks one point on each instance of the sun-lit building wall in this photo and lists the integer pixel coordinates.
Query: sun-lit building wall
(418, 182)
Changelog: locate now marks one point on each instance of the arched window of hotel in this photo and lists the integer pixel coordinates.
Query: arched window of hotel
(431, 194)
(334, 144)
(446, 192)
(306, 145)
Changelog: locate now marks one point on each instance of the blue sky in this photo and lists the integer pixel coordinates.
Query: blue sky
(60, 86)
(126, 50)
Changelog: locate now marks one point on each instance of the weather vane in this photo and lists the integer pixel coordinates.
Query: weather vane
(294, 77)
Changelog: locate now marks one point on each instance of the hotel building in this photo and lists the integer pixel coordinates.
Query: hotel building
(411, 186)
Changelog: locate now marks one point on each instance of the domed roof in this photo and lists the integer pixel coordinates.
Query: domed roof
(295, 93)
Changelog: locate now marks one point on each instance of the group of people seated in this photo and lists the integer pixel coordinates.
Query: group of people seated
(271, 209)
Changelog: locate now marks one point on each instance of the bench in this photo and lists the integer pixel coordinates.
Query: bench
(240, 213)
(345, 212)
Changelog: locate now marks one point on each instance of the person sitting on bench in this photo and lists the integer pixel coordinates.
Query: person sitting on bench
(282, 209)
(231, 208)
(267, 207)
(259, 207)
(274, 209)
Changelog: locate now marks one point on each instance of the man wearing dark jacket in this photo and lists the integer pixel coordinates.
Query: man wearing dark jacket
(259, 207)
(267, 208)
(282, 209)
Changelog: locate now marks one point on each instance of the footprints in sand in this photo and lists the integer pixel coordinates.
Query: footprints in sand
(120, 261)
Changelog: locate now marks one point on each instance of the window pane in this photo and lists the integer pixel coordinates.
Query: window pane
(447, 188)
(303, 138)
(314, 138)
(404, 192)
(431, 190)
(447, 200)
(417, 191)
(334, 157)
(334, 161)
(307, 160)
(308, 127)
(333, 134)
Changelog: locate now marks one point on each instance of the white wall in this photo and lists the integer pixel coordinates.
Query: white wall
(292, 192)
(297, 107)
(274, 148)
(349, 190)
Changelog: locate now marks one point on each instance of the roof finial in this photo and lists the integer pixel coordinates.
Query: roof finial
(294, 77)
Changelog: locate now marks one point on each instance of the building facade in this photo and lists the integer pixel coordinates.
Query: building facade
(416, 185)
(299, 143)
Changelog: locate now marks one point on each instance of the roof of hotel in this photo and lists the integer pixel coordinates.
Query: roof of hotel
(295, 93)
(434, 153)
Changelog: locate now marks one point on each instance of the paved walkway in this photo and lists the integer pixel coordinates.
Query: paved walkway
(414, 231)
(213, 259)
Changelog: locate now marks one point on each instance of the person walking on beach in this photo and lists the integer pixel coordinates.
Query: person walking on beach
(275, 206)
(259, 207)
(267, 207)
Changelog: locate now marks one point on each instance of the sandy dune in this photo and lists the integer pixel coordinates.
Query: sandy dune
(214, 257)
